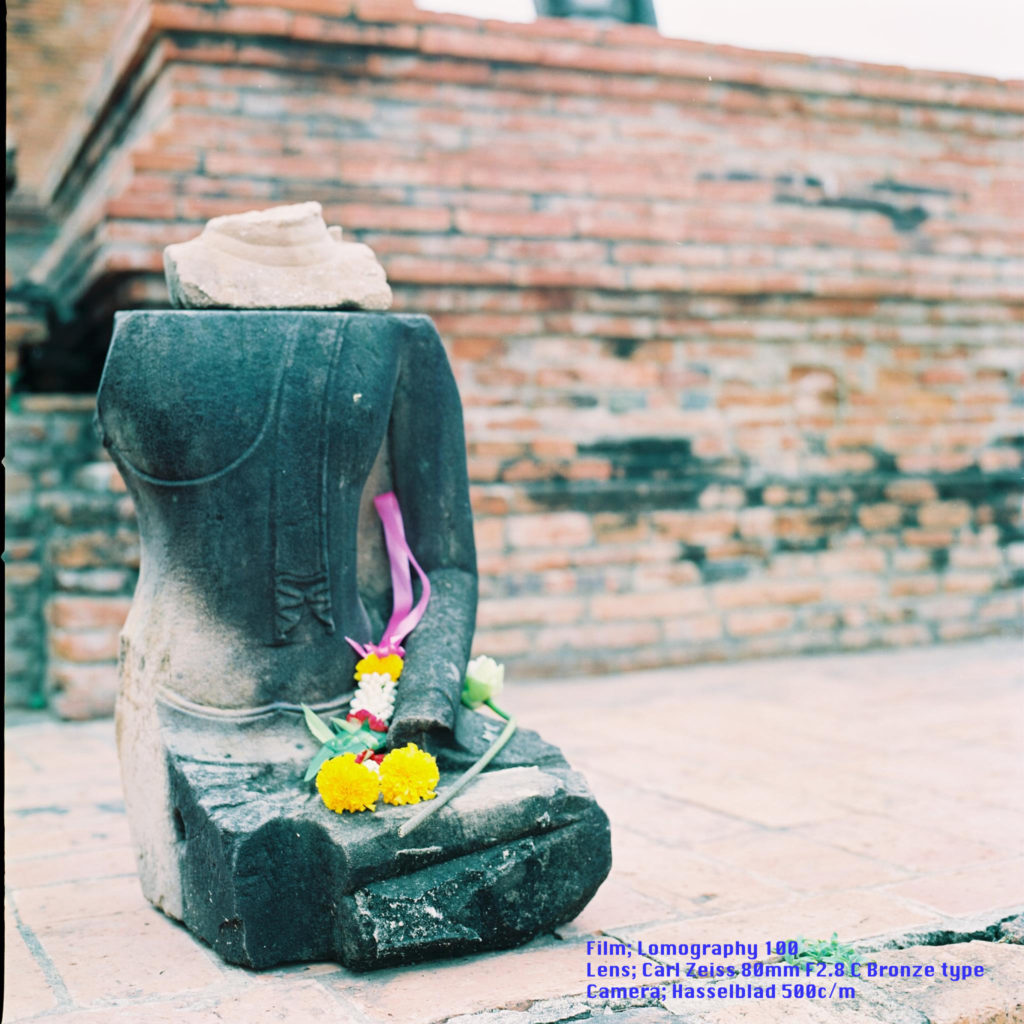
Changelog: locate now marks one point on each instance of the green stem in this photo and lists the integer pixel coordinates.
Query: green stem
(471, 773)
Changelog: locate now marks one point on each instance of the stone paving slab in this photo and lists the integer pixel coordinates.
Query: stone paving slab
(874, 795)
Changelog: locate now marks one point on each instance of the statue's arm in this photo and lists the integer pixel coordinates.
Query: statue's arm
(428, 459)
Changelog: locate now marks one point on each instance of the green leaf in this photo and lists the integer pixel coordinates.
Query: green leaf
(375, 740)
(323, 754)
(346, 726)
(349, 744)
(362, 732)
(316, 726)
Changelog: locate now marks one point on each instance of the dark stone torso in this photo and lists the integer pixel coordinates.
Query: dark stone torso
(246, 440)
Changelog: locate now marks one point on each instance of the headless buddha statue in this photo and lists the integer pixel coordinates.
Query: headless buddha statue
(253, 443)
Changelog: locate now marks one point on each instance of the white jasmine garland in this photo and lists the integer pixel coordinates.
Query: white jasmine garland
(376, 695)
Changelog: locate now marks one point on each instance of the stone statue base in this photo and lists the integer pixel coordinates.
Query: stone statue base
(269, 875)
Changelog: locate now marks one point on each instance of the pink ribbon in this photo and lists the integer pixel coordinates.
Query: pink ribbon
(405, 615)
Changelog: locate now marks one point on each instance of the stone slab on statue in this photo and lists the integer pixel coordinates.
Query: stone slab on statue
(253, 443)
(283, 258)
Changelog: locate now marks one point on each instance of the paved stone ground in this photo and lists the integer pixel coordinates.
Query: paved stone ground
(873, 795)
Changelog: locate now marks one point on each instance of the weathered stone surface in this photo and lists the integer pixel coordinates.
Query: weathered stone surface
(282, 258)
(1013, 930)
(270, 875)
(252, 444)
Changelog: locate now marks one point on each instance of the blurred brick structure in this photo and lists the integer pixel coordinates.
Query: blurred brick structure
(738, 335)
(55, 49)
(72, 557)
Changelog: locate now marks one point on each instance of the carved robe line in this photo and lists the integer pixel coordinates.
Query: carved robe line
(298, 505)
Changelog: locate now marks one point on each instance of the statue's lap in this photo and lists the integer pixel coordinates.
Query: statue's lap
(518, 852)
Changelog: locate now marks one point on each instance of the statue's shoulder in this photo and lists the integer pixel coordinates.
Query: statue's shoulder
(421, 347)
(411, 336)
(418, 331)
(425, 372)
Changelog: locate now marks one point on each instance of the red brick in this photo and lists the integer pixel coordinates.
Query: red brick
(615, 528)
(440, 247)
(88, 612)
(95, 549)
(927, 538)
(856, 588)
(242, 164)
(333, 8)
(754, 623)
(666, 605)
(587, 469)
(970, 582)
(17, 549)
(882, 516)
(722, 496)
(255, 22)
(22, 574)
(484, 222)
(1008, 607)
(413, 270)
(142, 208)
(911, 492)
(457, 43)
(165, 161)
(546, 276)
(553, 447)
(402, 218)
(913, 586)
(980, 557)
(594, 638)
(390, 10)
(946, 608)
(132, 260)
(939, 514)
(556, 529)
(694, 629)
(751, 593)
(501, 449)
(854, 559)
(659, 577)
(487, 504)
(83, 691)
(483, 470)
(528, 610)
(91, 645)
(501, 643)
(165, 15)
(489, 534)
(776, 495)
(526, 469)
(695, 527)
(476, 349)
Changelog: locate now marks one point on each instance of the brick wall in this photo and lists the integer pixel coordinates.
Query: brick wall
(55, 49)
(738, 335)
(72, 558)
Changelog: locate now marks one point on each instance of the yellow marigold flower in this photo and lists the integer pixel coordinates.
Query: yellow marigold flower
(374, 663)
(408, 775)
(345, 785)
